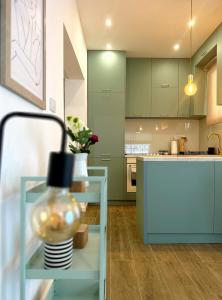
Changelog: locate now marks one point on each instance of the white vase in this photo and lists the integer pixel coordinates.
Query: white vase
(80, 164)
(80, 169)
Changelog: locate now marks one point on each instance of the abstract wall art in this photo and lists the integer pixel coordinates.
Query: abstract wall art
(22, 48)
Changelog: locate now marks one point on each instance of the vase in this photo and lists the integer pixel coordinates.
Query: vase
(80, 169)
(80, 164)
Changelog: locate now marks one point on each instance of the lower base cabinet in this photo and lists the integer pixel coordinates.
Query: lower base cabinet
(179, 202)
(116, 181)
(218, 198)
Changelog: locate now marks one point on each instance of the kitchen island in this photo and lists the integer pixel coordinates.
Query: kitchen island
(179, 199)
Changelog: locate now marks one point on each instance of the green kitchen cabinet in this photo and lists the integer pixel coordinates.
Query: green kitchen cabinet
(198, 104)
(218, 198)
(138, 87)
(106, 117)
(106, 71)
(115, 175)
(184, 100)
(164, 72)
(179, 197)
(164, 102)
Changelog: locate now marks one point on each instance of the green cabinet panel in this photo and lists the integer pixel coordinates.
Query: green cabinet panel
(198, 105)
(184, 100)
(138, 87)
(106, 117)
(179, 197)
(115, 175)
(164, 72)
(218, 198)
(106, 71)
(164, 102)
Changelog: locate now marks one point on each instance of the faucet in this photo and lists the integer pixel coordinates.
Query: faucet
(219, 141)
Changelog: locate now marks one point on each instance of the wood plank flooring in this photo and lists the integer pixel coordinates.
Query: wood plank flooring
(156, 272)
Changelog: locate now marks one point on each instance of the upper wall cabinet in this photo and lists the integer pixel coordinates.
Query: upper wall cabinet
(106, 71)
(164, 102)
(184, 100)
(164, 88)
(164, 72)
(138, 87)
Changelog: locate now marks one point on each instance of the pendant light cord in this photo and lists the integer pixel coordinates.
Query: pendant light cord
(191, 32)
(32, 116)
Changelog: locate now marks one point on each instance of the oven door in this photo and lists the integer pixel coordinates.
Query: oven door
(131, 178)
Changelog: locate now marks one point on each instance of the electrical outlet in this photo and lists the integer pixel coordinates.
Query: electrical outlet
(52, 105)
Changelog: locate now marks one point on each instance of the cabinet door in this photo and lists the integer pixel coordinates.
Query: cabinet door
(106, 71)
(184, 100)
(180, 197)
(198, 101)
(218, 198)
(106, 117)
(115, 175)
(138, 87)
(164, 72)
(164, 102)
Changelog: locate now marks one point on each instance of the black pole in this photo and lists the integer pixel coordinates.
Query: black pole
(31, 116)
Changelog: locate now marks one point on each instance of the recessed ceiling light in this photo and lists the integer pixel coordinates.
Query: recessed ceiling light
(108, 22)
(176, 47)
(108, 46)
(191, 23)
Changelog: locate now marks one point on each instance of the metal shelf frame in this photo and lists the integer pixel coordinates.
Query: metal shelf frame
(89, 264)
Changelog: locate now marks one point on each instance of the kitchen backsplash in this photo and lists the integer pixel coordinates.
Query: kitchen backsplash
(205, 131)
(159, 132)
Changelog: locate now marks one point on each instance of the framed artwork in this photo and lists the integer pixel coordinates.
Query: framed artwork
(22, 48)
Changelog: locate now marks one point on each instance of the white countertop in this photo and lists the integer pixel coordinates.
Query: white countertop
(180, 158)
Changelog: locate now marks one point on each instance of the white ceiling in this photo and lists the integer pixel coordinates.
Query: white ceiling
(148, 28)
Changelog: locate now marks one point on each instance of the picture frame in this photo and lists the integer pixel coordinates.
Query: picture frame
(22, 49)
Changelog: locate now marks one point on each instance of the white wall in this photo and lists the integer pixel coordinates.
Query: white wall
(76, 99)
(27, 143)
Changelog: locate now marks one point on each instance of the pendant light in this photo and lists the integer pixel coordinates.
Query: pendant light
(190, 88)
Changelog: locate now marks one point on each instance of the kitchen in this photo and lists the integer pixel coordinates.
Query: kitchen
(141, 82)
(161, 145)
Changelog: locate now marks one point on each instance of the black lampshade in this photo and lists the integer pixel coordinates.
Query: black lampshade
(60, 169)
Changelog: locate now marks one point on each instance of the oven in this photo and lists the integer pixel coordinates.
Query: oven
(131, 174)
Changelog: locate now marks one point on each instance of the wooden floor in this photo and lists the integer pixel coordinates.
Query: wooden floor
(137, 272)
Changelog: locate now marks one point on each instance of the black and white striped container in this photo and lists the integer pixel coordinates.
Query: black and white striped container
(58, 256)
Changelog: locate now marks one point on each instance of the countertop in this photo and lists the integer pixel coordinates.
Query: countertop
(180, 158)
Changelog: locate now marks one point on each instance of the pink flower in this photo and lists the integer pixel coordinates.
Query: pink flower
(94, 139)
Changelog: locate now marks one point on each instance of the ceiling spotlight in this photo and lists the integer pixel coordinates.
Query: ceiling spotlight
(191, 23)
(176, 47)
(108, 22)
(108, 46)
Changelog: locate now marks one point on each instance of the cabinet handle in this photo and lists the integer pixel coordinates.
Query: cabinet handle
(106, 90)
(105, 159)
(105, 154)
(165, 85)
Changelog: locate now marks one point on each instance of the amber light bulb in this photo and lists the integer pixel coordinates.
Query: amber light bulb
(191, 87)
(57, 215)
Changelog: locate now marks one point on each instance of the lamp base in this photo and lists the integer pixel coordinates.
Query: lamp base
(58, 256)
